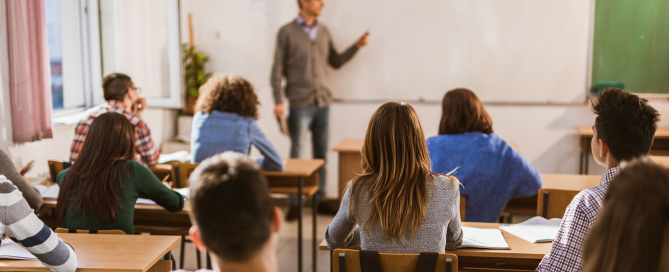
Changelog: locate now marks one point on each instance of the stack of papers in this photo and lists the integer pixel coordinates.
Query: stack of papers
(13, 251)
(50, 192)
(185, 192)
(535, 230)
(483, 238)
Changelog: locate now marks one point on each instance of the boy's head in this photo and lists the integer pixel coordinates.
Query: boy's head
(624, 128)
(231, 209)
(117, 86)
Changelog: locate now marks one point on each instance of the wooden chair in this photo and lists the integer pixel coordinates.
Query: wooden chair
(181, 172)
(64, 230)
(348, 260)
(463, 207)
(56, 167)
(552, 203)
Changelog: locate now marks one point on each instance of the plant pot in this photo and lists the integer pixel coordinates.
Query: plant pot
(190, 105)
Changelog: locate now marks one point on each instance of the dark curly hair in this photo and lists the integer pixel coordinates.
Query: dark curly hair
(227, 93)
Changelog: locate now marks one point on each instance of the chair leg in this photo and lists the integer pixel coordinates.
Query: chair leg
(183, 252)
(199, 260)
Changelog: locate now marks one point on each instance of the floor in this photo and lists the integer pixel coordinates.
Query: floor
(287, 250)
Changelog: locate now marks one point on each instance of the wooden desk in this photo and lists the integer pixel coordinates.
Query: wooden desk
(660, 160)
(660, 145)
(523, 255)
(104, 252)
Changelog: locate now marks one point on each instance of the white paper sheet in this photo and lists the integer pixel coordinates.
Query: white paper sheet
(180, 156)
(13, 251)
(50, 192)
(483, 238)
(535, 230)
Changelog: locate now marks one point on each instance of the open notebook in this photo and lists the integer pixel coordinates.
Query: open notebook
(535, 230)
(483, 238)
(50, 192)
(179, 156)
(13, 251)
(185, 192)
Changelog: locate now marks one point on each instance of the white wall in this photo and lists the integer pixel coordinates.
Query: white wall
(545, 134)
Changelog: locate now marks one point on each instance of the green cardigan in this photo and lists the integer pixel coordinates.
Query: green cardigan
(140, 184)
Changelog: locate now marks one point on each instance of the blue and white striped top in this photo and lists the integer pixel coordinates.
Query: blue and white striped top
(19, 223)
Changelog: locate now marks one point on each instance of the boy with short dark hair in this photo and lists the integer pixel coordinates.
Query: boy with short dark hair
(624, 130)
(232, 214)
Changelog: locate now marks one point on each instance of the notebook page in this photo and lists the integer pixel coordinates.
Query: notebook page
(13, 251)
(535, 230)
(483, 238)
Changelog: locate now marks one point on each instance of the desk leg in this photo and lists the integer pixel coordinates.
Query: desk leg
(331, 260)
(314, 243)
(299, 224)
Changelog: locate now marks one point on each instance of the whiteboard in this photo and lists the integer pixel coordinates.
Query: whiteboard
(534, 51)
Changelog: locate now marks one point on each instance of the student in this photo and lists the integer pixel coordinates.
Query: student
(490, 170)
(232, 214)
(122, 96)
(99, 191)
(226, 116)
(623, 130)
(29, 193)
(399, 204)
(22, 226)
(631, 232)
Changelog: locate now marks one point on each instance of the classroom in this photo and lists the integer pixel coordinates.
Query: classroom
(334, 135)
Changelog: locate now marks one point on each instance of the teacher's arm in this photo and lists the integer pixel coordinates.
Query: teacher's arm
(337, 60)
(277, 72)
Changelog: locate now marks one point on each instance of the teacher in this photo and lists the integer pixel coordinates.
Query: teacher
(303, 49)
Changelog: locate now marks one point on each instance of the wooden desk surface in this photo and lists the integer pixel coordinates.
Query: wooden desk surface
(152, 208)
(297, 168)
(569, 181)
(661, 132)
(660, 160)
(105, 252)
(519, 247)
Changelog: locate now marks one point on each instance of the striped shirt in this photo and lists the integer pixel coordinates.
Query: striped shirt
(147, 154)
(22, 226)
(567, 253)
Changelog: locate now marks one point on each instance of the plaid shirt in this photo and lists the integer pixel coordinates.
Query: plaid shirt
(566, 253)
(146, 152)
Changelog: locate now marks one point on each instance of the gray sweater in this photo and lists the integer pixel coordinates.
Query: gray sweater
(31, 194)
(303, 63)
(441, 230)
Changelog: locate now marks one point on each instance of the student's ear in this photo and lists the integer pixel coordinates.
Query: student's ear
(195, 237)
(277, 220)
(603, 149)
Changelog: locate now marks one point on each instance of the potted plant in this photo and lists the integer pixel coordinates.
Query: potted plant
(194, 74)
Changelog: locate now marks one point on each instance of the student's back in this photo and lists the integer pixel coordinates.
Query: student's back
(490, 170)
(226, 121)
(399, 204)
(99, 191)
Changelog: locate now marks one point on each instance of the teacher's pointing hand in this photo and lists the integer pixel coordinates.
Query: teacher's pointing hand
(362, 41)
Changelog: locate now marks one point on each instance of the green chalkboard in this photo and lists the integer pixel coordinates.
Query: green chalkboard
(631, 44)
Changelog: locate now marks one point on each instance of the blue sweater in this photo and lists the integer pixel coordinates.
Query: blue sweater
(490, 170)
(223, 131)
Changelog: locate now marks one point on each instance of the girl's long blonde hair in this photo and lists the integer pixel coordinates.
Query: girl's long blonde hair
(396, 172)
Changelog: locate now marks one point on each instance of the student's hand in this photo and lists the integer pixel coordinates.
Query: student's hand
(279, 110)
(139, 106)
(168, 184)
(362, 41)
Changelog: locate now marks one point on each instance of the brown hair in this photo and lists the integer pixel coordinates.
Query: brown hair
(231, 206)
(226, 93)
(625, 122)
(462, 112)
(631, 232)
(396, 172)
(115, 86)
(95, 176)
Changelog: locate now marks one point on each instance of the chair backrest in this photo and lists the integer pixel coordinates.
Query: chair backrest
(64, 230)
(463, 207)
(181, 172)
(56, 167)
(552, 203)
(348, 260)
